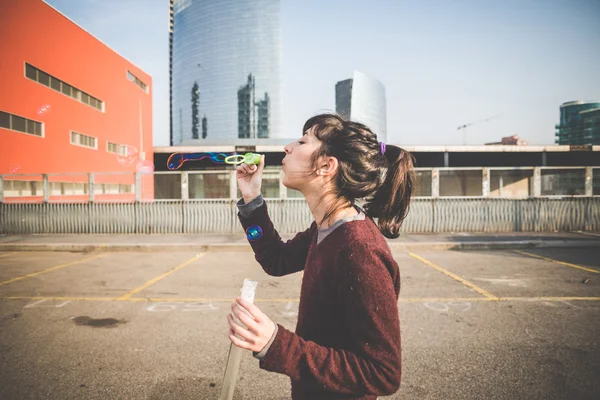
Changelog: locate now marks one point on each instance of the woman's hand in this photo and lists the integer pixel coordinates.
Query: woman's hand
(249, 179)
(260, 327)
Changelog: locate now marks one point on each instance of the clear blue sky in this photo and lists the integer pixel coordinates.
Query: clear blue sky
(444, 63)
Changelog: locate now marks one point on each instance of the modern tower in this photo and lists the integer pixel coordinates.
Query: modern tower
(579, 123)
(362, 99)
(232, 49)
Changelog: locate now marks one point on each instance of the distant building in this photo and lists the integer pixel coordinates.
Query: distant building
(246, 115)
(591, 125)
(579, 123)
(513, 140)
(262, 119)
(362, 99)
(219, 44)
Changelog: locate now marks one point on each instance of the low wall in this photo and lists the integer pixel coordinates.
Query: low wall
(435, 215)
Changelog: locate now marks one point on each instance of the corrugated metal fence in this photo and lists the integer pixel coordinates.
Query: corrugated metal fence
(432, 215)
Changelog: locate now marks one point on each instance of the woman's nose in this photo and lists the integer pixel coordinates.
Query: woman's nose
(287, 149)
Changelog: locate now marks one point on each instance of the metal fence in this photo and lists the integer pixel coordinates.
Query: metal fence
(499, 199)
(292, 215)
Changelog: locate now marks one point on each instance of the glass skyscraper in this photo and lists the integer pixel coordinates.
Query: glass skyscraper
(362, 99)
(226, 70)
(578, 123)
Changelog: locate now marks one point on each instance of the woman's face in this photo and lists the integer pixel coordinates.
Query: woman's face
(296, 164)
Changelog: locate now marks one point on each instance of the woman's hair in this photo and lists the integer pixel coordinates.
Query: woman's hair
(385, 181)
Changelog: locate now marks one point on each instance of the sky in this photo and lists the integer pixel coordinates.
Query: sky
(444, 63)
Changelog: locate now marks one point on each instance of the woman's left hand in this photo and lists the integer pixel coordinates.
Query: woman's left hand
(260, 327)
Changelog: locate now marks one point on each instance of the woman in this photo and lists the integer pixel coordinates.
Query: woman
(347, 339)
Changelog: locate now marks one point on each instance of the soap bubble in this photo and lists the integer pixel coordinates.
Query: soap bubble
(127, 156)
(145, 167)
(44, 109)
(15, 169)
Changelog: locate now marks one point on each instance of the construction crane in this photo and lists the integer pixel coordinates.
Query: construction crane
(464, 127)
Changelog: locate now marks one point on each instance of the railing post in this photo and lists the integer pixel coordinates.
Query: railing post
(45, 188)
(138, 187)
(1, 189)
(485, 183)
(91, 187)
(282, 187)
(589, 181)
(184, 186)
(435, 182)
(232, 185)
(537, 182)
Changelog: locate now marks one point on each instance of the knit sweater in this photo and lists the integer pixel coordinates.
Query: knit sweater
(347, 339)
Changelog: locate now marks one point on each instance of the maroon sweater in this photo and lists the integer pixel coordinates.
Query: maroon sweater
(347, 340)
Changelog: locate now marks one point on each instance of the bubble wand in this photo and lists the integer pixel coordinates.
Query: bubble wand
(176, 160)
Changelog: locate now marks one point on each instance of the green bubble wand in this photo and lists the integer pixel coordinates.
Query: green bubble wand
(248, 158)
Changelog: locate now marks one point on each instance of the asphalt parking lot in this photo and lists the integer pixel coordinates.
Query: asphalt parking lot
(506, 324)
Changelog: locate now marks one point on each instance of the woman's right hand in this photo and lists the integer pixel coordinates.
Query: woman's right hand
(249, 179)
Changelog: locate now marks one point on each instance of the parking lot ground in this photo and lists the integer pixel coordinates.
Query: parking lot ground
(501, 324)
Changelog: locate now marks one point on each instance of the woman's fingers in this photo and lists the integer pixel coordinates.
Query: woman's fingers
(258, 315)
(245, 318)
(238, 330)
(238, 342)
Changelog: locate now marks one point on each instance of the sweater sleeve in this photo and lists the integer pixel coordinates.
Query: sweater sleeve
(369, 304)
(276, 257)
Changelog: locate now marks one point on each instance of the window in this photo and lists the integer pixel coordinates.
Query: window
(137, 81)
(4, 120)
(30, 72)
(80, 139)
(30, 126)
(75, 93)
(66, 89)
(45, 79)
(54, 83)
(20, 124)
(116, 148)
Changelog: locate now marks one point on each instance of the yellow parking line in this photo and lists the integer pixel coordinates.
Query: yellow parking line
(158, 278)
(556, 261)
(453, 276)
(550, 298)
(59, 298)
(50, 269)
(223, 300)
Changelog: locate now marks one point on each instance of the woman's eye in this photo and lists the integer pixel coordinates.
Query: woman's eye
(300, 142)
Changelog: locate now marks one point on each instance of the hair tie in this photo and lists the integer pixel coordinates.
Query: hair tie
(382, 147)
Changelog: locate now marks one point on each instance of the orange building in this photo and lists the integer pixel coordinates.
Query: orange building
(69, 106)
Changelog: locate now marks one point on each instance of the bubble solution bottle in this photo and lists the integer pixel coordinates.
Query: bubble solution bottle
(235, 353)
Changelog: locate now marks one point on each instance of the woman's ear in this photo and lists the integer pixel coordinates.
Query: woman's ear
(329, 168)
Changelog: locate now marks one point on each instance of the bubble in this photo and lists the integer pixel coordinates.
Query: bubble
(176, 160)
(127, 156)
(15, 169)
(145, 167)
(254, 232)
(43, 109)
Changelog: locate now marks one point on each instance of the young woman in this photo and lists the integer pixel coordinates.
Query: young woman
(347, 339)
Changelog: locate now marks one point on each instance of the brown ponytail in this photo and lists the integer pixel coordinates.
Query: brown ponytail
(391, 201)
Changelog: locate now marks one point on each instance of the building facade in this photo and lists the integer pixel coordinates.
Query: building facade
(578, 123)
(362, 99)
(69, 106)
(591, 125)
(232, 49)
